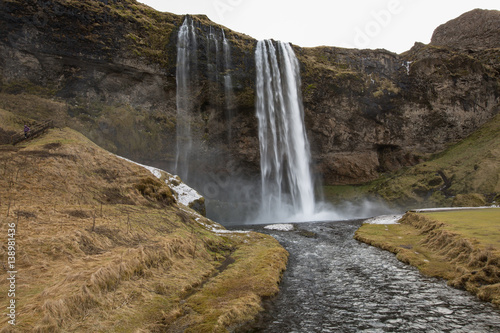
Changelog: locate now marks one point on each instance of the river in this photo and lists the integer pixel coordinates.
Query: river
(334, 283)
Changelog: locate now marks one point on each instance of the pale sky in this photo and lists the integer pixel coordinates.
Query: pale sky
(391, 24)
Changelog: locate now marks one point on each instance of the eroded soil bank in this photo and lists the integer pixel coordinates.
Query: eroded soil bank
(462, 247)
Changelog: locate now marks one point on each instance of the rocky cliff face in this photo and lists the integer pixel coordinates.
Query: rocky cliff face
(477, 29)
(371, 112)
(108, 69)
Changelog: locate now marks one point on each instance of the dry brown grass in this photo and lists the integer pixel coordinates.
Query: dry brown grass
(97, 254)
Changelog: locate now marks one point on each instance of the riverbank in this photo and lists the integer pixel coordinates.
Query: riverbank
(334, 283)
(462, 246)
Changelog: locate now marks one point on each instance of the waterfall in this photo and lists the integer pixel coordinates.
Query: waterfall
(286, 179)
(228, 83)
(186, 57)
(213, 56)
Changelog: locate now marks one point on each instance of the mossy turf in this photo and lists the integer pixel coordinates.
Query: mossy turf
(462, 247)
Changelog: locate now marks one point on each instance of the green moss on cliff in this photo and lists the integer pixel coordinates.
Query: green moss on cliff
(470, 166)
(320, 59)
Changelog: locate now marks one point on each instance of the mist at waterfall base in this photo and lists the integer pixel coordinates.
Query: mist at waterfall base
(286, 191)
(237, 201)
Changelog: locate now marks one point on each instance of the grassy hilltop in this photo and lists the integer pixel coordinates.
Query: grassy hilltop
(102, 246)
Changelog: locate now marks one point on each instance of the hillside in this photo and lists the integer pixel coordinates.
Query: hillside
(477, 29)
(102, 245)
(467, 173)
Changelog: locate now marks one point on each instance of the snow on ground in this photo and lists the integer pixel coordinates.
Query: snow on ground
(280, 227)
(156, 172)
(384, 219)
(218, 229)
(184, 194)
(444, 209)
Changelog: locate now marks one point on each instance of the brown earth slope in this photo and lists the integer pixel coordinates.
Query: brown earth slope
(102, 246)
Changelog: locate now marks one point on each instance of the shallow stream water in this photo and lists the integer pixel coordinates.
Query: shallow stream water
(335, 284)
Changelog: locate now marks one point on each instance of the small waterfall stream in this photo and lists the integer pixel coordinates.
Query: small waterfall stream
(287, 184)
(202, 75)
(213, 57)
(228, 83)
(186, 57)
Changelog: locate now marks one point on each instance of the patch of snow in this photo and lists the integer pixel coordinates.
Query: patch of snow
(192, 213)
(224, 231)
(444, 209)
(155, 171)
(184, 194)
(218, 229)
(280, 227)
(384, 219)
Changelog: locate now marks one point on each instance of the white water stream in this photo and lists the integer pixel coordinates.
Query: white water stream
(228, 84)
(287, 184)
(186, 52)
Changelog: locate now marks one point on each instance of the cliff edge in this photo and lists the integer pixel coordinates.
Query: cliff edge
(477, 29)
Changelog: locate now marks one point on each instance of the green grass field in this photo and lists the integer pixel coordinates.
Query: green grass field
(482, 225)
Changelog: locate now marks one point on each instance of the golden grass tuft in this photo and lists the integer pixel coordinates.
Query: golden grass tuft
(234, 296)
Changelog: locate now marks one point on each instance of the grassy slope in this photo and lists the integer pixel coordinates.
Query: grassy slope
(471, 166)
(460, 246)
(138, 262)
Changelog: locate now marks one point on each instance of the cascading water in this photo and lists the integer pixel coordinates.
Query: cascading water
(228, 83)
(213, 56)
(287, 184)
(186, 57)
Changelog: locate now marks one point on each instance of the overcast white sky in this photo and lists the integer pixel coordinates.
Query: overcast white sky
(391, 24)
